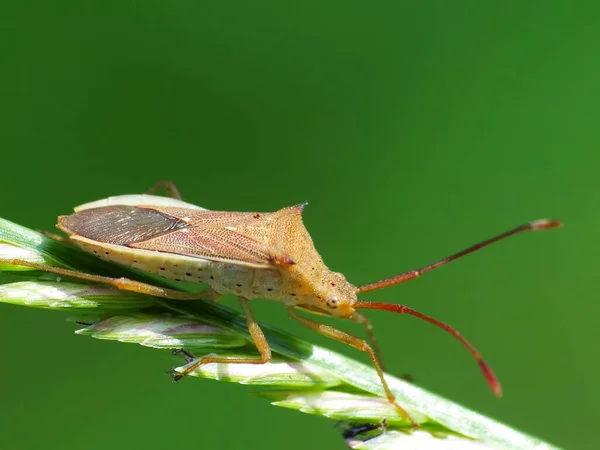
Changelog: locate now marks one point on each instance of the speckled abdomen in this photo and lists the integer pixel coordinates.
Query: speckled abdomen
(245, 281)
(224, 278)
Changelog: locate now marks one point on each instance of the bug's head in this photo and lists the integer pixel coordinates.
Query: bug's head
(333, 296)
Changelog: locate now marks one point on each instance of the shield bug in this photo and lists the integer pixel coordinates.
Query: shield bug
(248, 254)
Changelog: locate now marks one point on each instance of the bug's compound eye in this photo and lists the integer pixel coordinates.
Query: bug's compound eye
(333, 302)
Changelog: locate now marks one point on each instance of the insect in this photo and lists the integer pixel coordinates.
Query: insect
(251, 255)
(355, 434)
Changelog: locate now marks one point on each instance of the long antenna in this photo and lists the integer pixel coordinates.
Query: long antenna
(541, 224)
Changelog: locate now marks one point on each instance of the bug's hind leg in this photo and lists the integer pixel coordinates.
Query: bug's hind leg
(258, 338)
(171, 188)
(125, 284)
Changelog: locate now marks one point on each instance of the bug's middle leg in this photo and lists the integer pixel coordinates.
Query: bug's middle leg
(257, 336)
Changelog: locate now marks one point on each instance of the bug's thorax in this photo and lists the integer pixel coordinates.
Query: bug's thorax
(307, 281)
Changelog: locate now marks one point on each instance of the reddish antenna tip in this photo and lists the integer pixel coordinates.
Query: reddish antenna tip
(491, 378)
(545, 224)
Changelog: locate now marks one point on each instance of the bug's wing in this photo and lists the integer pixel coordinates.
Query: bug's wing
(218, 244)
(214, 235)
(218, 235)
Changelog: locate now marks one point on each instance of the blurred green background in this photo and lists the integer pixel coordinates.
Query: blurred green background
(413, 128)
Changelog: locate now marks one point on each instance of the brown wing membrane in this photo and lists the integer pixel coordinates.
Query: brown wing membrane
(120, 225)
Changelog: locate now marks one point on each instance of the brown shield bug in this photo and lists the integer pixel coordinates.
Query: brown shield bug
(248, 254)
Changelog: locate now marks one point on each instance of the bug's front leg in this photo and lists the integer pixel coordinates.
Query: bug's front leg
(258, 338)
(359, 344)
(356, 317)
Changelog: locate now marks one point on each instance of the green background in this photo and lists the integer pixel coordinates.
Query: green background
(413, 128)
